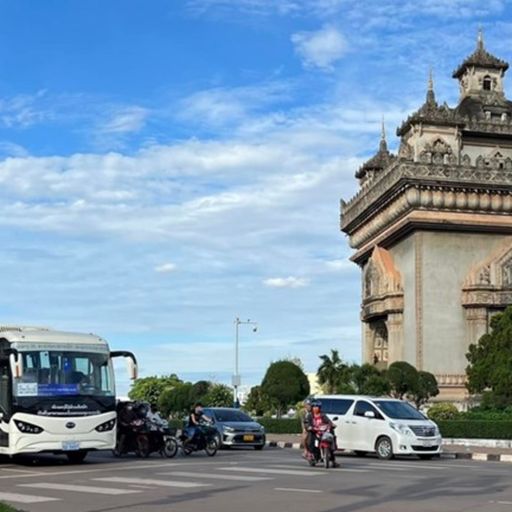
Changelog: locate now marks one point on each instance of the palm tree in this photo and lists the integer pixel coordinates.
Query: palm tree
(331, 371)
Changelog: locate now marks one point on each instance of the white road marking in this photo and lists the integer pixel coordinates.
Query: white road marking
(241, 478)
(150, 481)
(118, 466)
(80, 488)
(340, 468)
(291, 489)
(295, 472)
(24, 498)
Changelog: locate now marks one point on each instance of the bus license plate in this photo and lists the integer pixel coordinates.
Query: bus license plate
(70, 446)
(248, 438)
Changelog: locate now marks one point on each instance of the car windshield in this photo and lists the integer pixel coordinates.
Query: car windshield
(64, 373)
(399, 410)
(228, 415)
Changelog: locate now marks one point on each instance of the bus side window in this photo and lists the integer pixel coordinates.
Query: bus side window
(5, 391)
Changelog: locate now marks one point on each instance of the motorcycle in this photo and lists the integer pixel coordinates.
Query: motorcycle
(324, 447)
(132, 438)
(206, 439)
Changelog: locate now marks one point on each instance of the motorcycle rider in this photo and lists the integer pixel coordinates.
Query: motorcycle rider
(126, 415)
(195, 419)
(319, 420)
(306, 423)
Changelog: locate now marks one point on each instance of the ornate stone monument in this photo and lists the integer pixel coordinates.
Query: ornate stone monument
(432, 228)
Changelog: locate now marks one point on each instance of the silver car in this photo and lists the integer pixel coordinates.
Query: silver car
(236, 428)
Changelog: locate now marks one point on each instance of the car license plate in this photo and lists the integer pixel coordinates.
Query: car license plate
(248, 438)
(70, 446)
(427, 444)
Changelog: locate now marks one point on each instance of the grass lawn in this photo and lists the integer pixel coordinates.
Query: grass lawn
(7, 508)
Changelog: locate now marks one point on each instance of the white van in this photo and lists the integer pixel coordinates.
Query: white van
(385, 426)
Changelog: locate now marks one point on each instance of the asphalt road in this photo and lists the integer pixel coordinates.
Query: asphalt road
(245, 481)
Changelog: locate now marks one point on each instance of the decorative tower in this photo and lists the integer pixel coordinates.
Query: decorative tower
(432, 228)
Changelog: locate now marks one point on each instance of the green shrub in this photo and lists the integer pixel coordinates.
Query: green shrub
(476, 429)
(7, 508)
(443, 411)
(281, 426)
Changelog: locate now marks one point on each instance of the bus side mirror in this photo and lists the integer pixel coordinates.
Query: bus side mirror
(132, 368)
(131, 362)
(16, 365)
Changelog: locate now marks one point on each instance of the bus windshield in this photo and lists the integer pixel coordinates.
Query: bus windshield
(55, 373)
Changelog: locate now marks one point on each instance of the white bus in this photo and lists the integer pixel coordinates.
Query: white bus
(57, 392)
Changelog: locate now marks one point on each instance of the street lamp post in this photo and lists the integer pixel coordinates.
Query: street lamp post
(236, 376)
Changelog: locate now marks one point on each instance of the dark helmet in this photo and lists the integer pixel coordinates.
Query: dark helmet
(307, 401)
(316, 403)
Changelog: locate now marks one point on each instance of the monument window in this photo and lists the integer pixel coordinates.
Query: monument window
(487, 83)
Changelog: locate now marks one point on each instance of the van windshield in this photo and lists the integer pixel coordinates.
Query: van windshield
(399, 410)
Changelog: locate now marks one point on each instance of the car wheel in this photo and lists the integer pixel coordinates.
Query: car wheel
(384, 448)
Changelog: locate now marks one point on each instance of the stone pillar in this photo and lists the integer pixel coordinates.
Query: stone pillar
(395, 326)
(477, 324)
(367, 343)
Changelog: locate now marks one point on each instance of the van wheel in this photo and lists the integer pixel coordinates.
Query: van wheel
(384, 448)
(360, 453)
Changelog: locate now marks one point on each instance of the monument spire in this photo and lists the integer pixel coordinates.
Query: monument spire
(383, 146)
(431, 97)
(480, 39)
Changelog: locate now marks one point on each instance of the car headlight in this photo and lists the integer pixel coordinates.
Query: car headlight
(436, 430)
(27, 428)
(105, 427)
(401, 429)
(262, 428)
(229, 429)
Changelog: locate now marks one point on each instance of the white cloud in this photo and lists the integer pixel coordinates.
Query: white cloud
(338, 265)
(125, 120)
(23, 110)
(286, 282)
(320, 49)
(165, 268)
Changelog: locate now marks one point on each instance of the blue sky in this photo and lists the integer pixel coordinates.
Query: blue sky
(166, 166)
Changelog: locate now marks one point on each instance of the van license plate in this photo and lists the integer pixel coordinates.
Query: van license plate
(70, 446)
(248, 438)
(427, 444)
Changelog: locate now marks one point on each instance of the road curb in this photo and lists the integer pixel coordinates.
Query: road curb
(483, 457)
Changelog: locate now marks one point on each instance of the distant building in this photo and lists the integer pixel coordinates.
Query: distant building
(432, 227)
(314, 385)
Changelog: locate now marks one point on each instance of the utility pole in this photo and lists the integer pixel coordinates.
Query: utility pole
(236, 381)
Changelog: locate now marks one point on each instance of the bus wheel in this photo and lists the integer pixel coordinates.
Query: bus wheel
(76, 457)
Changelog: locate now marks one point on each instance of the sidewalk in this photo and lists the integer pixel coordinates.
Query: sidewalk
(454, 451)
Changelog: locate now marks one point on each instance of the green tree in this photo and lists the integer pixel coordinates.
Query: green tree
(490, 363)
(369, 380)
(258, 403)
(178, 401)
(285, 384)
(403, 378)
(426, 389)
(149, 389)
(218, 395)
(332, 372)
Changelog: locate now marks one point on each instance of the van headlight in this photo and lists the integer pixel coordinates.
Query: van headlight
(401, 429)
(27, 428)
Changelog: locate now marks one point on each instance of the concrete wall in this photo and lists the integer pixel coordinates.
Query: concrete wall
(447, 259)
(404, 258)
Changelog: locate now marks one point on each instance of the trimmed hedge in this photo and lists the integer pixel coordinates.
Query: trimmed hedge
(468, 429)
(476, 429)
(282, 426)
